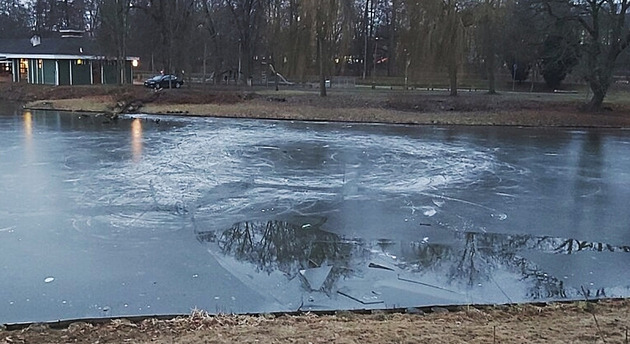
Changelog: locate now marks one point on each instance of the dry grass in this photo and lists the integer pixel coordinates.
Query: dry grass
(554, 323)
(353, 105)
(323, 111)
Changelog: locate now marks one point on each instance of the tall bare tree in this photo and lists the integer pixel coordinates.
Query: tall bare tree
(175, 21)
(448, 40)
(489, 18)
(14, 19)
(53, 15)
(607, 35)
(248, 18)
(114, 32)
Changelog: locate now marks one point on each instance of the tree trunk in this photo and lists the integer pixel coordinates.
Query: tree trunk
(452, 75)
(488, 39)
(320, 58)
(490, 74)
(393, 42)
(600, 73)
(365, 37)
(599, 93)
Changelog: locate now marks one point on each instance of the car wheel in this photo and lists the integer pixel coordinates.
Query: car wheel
(178, 85)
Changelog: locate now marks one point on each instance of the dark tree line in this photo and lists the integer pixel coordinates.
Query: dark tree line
(419, 40)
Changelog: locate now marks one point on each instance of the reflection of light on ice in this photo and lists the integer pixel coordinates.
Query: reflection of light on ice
(28, 126)
(28, 131)
(136, 139)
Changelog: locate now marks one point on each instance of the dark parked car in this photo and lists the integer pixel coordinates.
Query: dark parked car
(164, 81)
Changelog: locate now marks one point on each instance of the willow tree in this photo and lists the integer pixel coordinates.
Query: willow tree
(416, 22)
(447, 41)
(294, 41)
(433, 35)
(489, 17)
(328, 23)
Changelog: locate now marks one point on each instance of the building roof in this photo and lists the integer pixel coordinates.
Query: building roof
(53, 47)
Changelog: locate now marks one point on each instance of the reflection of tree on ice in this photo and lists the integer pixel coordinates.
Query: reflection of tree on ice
(484, 253)
(328, 263)
(283, 246)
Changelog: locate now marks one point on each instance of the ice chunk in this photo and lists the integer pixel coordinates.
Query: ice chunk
(499, 216)
(8, 229)
(316, 277)
(358, 296)
(428, 211)
(439, 203)
(380, 266)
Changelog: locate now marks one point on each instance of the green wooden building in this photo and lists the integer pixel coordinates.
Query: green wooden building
(66, 59)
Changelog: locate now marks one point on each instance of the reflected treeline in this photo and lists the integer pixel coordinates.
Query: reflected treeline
(482, 254)
(471, 262)
(569, 246)
(284, 246)
(549, 244)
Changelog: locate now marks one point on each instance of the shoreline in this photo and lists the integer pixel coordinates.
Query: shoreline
(410, 107)
(257, 109)
(577, 321)
(419, 310)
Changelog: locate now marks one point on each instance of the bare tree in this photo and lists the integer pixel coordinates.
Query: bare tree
(114, 32)
(14, 19)
(606, 36)
(53, 15)
(248, 19)
(175, 22)
(449, 35)
(489, 19)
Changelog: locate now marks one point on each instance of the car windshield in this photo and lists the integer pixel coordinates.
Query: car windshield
(156, 78)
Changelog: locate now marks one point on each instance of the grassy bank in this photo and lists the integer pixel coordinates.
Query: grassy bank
(348, 105)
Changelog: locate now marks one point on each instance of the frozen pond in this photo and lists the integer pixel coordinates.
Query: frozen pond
(142, 217)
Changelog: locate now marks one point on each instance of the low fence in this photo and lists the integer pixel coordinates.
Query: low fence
(430, 81)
